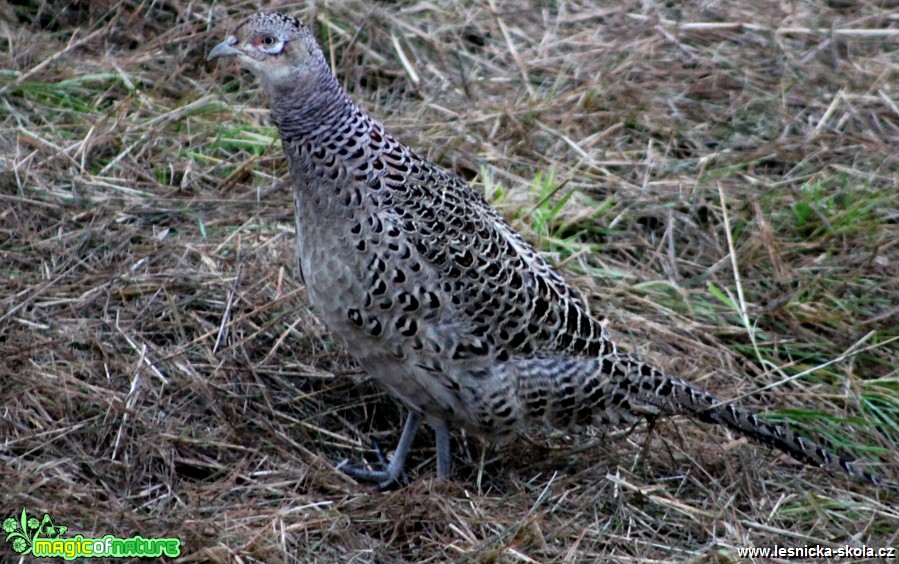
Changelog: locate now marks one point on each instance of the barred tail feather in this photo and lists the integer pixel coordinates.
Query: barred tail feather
(666, 395)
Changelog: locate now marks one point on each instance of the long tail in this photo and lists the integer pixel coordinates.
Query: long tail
(620, 388)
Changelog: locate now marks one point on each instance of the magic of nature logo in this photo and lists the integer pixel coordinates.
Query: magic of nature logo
(43, 538)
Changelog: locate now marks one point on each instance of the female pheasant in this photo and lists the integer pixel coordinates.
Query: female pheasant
(435, 295)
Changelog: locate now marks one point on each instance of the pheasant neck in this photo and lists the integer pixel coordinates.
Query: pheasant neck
(308, 107)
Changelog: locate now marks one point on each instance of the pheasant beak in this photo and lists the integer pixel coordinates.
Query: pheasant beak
(224, 49)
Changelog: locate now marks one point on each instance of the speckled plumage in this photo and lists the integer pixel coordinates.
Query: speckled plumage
(434, 294)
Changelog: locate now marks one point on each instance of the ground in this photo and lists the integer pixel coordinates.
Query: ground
(719, 181)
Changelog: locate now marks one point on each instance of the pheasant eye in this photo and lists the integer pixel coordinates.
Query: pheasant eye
(268, 43)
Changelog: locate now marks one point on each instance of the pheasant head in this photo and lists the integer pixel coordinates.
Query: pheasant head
(278, 49)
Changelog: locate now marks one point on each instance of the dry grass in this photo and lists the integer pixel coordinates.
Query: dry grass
(162, 373)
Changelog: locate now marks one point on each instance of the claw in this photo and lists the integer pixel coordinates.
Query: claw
(393, 471)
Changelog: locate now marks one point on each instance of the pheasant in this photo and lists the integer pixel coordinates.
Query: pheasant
(436, 296)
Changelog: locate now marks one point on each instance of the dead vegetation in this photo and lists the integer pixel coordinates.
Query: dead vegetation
(721, 182)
